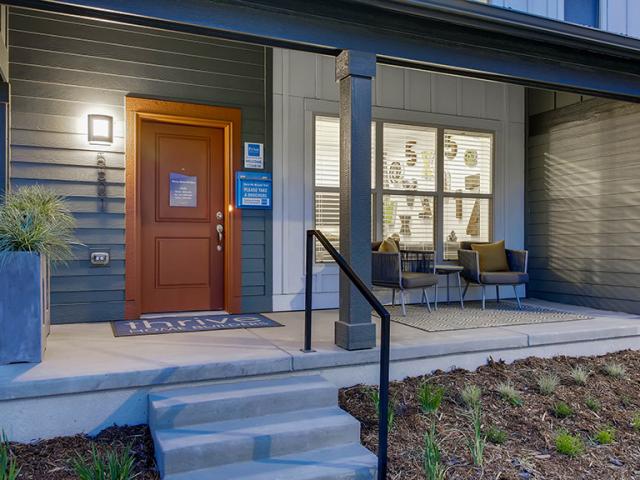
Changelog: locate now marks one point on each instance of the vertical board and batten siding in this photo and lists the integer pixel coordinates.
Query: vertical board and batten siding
(304, 85)
(583, 205)
(63, 68)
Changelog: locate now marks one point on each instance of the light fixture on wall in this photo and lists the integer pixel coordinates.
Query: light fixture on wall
(100, 128)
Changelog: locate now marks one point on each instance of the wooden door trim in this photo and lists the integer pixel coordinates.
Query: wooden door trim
(229, 119)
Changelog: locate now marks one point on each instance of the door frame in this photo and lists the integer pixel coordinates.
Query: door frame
(229, 119)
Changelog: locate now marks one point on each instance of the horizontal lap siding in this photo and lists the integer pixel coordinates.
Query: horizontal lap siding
(583, 205)
(63, 68)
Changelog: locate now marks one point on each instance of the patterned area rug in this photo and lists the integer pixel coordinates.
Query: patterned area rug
(452, 317)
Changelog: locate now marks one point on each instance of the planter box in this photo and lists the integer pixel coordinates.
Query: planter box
(24, 307)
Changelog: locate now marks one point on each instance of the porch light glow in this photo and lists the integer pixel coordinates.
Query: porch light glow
(100, 129)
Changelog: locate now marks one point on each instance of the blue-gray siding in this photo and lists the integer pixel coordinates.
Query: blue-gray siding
(583, 205)
(62, 68)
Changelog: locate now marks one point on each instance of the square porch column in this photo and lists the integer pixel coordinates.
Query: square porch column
(354, 71)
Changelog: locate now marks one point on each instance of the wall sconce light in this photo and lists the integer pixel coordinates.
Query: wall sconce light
(100, 129)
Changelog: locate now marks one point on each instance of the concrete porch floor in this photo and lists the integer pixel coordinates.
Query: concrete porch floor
(86, 363)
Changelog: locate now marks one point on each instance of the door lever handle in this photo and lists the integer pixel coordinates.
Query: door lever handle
(219, 229)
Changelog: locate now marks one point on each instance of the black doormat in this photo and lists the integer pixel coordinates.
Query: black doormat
(197, 323)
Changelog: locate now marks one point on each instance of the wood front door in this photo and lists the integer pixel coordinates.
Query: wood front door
(182, 208)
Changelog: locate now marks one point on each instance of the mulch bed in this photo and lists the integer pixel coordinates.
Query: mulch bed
(529, 452)
(53, 459)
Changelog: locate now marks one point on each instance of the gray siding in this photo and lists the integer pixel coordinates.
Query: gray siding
(583, 205)
(63, 68)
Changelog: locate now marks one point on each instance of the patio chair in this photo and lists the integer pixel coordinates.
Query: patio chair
(516, 274)
(387, 272)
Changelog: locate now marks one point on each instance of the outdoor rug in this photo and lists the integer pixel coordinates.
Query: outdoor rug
(503, 314)
(198, 323)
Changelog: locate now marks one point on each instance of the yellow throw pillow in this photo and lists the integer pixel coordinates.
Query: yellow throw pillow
(493, 257)
(389, 246)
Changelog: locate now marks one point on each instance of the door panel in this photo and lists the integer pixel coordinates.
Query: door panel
(181, 189)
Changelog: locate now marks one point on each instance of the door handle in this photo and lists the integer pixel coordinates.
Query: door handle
(219, 229)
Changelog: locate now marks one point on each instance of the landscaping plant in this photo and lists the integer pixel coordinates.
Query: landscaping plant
(432, 465)
(36, 219)
(614, 370)
(391, 414)
(113, 465)
(8, 466)
(471, 396)
(562, 410)
(478, 440)
(496, 435)
(580, 375)
(508, 392)
(592, 404)
(569, 445)
(430, 397)
(547, 383)
(605, 436)
(635, 422)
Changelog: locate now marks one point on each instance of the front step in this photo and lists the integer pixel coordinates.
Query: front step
(345, 462)
(264, 425)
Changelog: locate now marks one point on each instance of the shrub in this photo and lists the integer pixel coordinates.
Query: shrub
(570, 445)
(391, 413)
(508, 392)
(580, 375)
(615, 370)
(547, 383)
(495, 435)
(605, 436)
(477, 441)
(113, 465)
(430, 397)
(471, 395)
(562, 410)
(635, 422)
(8, 465)
(433, 468)
(592, 404)
(35, 219)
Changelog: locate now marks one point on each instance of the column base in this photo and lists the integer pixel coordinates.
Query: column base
(355, 336)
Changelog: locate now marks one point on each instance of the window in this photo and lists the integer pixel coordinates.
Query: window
(425, 196)
(582, 12)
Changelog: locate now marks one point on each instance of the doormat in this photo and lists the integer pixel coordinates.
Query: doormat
(503, 314)
(198, 323)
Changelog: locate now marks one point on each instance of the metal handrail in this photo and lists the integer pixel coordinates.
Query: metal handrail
(385, 325)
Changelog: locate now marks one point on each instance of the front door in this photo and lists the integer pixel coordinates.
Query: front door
(182, 208)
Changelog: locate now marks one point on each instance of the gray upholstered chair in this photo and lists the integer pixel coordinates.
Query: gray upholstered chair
(387, 272)
(516, 275)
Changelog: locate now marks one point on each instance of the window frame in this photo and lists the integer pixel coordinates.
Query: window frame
(378, 191)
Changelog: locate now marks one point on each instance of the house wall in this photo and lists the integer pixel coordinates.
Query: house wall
(583, 198)
(63, 68)
(304, 84)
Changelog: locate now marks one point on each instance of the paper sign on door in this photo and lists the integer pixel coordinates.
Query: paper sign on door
(183, 190)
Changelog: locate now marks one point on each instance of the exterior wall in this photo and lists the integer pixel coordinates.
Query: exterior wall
(544, 8)
(63, 68)
(304, 84)
(582, 204)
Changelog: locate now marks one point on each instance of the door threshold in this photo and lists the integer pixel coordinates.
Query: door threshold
(184, 314)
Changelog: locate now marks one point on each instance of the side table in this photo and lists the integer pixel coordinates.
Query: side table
(450, 270)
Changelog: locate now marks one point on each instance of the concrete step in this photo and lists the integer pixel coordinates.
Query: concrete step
(190, 406)
(208, 445)
(343, 462)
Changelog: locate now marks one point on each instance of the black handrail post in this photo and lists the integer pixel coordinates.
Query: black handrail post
(308, 293)
(383, 420)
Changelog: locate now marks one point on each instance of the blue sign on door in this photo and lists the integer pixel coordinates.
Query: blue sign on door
(253, 190)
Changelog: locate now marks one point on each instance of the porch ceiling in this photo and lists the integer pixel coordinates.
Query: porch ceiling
(453, 36)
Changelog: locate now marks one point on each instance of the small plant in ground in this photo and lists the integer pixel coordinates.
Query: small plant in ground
(478, 440)
(614, 370)
(635, 422)
(562, 410)
(114, 465)
(593, 404)
(580, 375)
(8, 466)
(570, 445)
(547, 383)
(430, 397)
(432, 465)
(508, 392)
(626, 401)
(391, 411)
(471, 396)
(495, 435)
(605, 436)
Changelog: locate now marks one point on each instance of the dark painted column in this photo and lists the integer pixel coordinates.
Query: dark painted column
(354, 71)
(4, 137)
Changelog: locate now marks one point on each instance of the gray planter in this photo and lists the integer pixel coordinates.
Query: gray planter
(24, 307)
